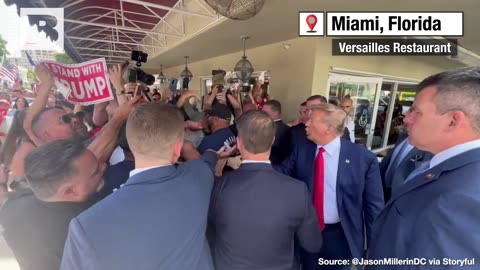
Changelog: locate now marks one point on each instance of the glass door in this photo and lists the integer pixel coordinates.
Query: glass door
(365, 93)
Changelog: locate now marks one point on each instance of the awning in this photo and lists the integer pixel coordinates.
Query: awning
(111, 29)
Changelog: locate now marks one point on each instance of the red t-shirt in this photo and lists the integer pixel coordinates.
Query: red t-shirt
(260, 103)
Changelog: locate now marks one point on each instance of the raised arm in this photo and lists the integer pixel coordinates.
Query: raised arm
(103, 145)
(209, 100)
(46, 83)
(235, 104)
(100, 116)
(185, 97)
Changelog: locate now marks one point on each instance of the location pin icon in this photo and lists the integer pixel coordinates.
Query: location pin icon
(311, 21)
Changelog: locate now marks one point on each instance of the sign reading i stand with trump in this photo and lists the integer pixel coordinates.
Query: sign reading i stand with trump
(85, 83)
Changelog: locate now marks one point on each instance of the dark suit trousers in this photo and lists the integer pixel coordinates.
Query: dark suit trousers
(335, 247)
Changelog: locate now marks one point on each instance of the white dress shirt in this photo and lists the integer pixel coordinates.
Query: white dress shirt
(256, 161)
(331, 157)
(453, 151)
(139, 170)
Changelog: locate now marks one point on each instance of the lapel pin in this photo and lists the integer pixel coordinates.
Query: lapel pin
(429, 176)
(416, 158)
(347, 161)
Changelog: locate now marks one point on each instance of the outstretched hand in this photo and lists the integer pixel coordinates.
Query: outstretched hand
(115, 75)
(44, 75)
(124, 110)
(226, 151)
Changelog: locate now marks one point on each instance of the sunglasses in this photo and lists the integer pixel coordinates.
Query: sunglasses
(67, 118)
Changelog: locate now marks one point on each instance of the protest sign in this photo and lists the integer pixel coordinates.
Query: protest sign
(85, 83)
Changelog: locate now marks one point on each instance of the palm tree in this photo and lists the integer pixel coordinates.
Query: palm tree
(63, 58)
(3, 47)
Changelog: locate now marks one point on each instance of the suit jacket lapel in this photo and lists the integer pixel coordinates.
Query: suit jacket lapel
(391, 166)
(434, 173)
(343, 170)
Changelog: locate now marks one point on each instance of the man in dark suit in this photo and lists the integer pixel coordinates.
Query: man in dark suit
(434, 214)
(157, 220)
(298, 130)
(298, 134)
(345, 181)
(399, 163)
(281, 145)
(256, 212)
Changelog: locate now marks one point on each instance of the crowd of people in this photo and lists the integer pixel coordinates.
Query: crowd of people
(167, 184)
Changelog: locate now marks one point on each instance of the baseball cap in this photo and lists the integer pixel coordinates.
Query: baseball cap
(221, 111)
(192, 114)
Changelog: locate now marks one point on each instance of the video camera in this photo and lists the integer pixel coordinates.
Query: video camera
(137, 74)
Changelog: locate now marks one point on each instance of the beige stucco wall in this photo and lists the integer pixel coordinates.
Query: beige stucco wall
(303, 69)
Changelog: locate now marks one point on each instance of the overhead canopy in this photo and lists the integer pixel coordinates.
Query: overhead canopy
(168, 30)
(112, 29)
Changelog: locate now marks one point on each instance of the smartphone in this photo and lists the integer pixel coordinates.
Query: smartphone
(220, 88)
(173, 85)
(138, 91)
(132, 75)
(185, 83)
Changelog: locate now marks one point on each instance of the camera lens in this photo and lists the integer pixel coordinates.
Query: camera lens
(145, 78)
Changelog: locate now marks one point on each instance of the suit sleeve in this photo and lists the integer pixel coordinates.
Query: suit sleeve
(448, 228)
(373, 200)
(287, 167)
(78, 254)
(308, 233)
(210, 158)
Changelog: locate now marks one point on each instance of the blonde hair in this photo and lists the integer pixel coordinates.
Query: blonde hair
(335, 116)
(153, 129)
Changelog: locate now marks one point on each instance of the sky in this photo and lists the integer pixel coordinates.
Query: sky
(18, 33)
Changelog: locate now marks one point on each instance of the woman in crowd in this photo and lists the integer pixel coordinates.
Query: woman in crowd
(20, 104)
(258, 95)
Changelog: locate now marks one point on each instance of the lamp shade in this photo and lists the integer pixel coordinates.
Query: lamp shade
(186, 73)
(244, 69)
(161, 77)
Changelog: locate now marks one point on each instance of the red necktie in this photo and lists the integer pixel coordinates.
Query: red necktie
(318, 187)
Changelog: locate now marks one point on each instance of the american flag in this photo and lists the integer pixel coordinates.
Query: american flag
(8, 72)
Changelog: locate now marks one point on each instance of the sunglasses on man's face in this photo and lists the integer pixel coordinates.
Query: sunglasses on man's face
(67, 118)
